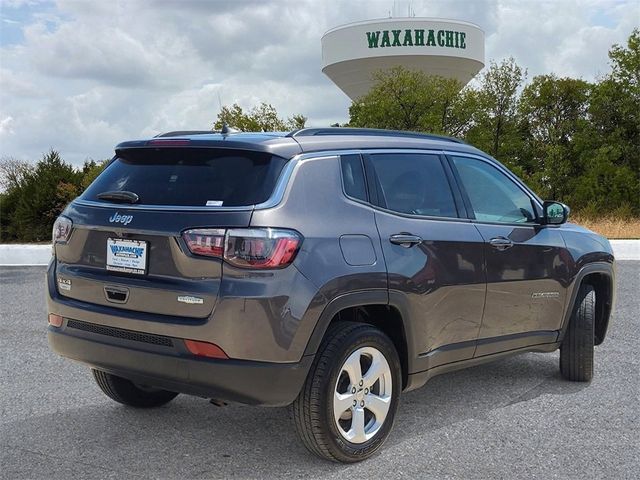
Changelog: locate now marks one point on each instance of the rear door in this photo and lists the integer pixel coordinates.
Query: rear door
(526, 262)
(433, 257)
(132, 254)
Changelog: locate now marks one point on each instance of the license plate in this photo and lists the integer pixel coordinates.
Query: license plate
(128, 256)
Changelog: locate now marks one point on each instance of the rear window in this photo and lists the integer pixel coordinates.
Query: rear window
(191, 176)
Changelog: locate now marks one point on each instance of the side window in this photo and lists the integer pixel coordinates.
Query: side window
(494, 197)
(414, 184)
(353, 177)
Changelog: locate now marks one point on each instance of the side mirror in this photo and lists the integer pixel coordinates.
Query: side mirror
(554, 213)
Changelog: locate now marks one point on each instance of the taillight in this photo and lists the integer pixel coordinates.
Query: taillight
(246, 247)
(208, 242)
(261, 248)
(61, 230)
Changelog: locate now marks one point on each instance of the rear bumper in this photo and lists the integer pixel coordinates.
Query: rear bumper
(170, 366)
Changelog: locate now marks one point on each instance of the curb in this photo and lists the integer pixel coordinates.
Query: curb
(24, 255)
(27, 255)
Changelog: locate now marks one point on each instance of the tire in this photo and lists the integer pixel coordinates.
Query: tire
(358, 432)
(128, 393)
(576, 350)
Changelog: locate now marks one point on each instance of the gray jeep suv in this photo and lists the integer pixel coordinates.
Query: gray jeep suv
(326, 269)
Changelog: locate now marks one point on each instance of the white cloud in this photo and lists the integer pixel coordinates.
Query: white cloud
(17, 84)
(5, 126)
(88, 75)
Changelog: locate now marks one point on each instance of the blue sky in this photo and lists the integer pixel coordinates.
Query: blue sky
(80, 76)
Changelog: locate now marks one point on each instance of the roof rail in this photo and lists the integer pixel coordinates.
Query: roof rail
(182, 133)
(373, 132)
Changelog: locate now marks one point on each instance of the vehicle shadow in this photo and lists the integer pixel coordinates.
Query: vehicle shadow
(190, 438)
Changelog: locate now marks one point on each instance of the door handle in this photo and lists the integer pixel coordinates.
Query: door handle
(405, 240)
(501, 243)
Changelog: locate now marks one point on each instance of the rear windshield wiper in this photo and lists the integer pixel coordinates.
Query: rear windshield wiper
(119, 196)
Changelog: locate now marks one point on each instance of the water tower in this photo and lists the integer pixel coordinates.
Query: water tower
(352, 53)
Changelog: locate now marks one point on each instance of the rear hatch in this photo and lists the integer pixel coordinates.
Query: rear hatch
(126, 248)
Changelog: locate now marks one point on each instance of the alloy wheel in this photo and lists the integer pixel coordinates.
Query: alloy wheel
(362, 395)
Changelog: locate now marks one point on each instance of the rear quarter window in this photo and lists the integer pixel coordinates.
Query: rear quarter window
(353, 177)
(191, 176)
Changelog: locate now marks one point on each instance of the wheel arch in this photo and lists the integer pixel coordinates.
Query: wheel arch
(371, 307)
(603, 286)
(601, 276)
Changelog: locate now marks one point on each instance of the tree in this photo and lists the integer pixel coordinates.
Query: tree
(262, 118)
(13, 172)
(625, 63)
(495, 128)
(90, 170)
(609, 144)
(297, 121)
(12, 177)
(404, 99)
(42, 196)
(553, 112)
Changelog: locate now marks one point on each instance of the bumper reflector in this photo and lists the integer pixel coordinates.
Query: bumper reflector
(55, 320)
(205, 349)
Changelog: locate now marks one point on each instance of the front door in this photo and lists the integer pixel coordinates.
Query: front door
(434, 258)
(525, 262)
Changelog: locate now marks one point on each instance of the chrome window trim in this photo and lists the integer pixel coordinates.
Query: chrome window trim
(419, 217)
(289, 168)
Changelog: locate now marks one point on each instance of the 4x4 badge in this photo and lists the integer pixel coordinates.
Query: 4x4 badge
(64, 284)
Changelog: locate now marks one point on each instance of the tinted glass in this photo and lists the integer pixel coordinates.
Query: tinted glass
(494, 196)
(353, 177)
(191, 176)
(414, 183)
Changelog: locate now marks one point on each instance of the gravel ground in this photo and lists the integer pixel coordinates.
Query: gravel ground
(514, 418)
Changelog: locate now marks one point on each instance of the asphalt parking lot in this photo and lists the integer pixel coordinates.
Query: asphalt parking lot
(515, 418)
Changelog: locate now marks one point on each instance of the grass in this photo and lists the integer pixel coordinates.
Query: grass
(610, 226)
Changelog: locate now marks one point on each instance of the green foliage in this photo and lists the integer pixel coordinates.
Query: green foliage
(553, 112)
(90, 170)
(262, 118)
(8, 202)
(34, 196)
(609, 143)
(568, 139)
(44, 194)
(404, 99)
(495, 129)
(625, 63)
(297, 121)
